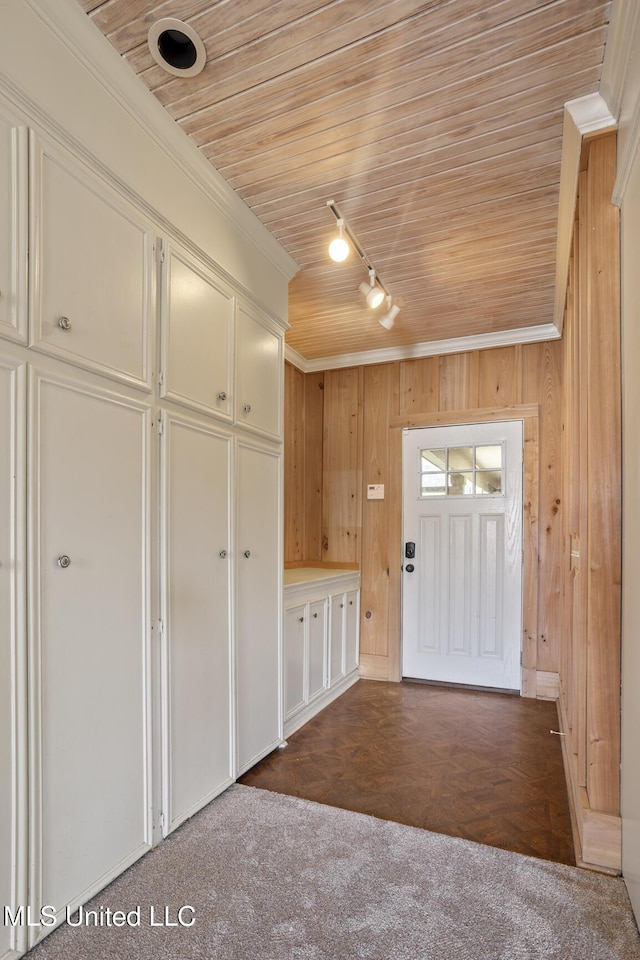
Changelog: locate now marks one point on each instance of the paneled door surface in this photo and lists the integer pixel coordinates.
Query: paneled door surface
(462, 579)
(89, 715)
(196, 567)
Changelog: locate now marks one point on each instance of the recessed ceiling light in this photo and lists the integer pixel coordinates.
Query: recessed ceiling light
(176, 47)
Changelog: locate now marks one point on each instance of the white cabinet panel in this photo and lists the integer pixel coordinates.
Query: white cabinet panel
(259, 374)
(89, 619)
(196, 586)
(258, 584)
(197, 336)
(91, 271)
(317, 647)
(12, 653)
(13, 230)
(294, 660)
(352, 629)
(336, 637)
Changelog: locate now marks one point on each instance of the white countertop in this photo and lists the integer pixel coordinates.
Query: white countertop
(311, 574)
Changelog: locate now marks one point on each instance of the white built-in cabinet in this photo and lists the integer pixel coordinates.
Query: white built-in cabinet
(320, 630)
(140, 519)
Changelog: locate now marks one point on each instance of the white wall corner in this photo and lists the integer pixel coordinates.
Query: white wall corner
(620, 86)
(583, 116)
(72, 26)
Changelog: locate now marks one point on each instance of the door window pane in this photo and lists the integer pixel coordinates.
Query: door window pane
(431, 460)
(433, 484)
(489, 457)
(461, 458)
(460, 484)
(489, 482)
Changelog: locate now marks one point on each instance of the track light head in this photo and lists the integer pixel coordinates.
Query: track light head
(373, 294)
(390, 318)
(339, 247)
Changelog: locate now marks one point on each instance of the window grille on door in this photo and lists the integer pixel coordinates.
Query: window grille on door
(476, 470)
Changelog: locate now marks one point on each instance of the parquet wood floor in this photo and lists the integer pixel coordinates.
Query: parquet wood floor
(466, 763)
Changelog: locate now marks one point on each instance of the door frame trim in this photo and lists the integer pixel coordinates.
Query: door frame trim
(529, 413)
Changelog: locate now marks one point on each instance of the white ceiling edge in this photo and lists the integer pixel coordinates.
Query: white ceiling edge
(583, 116)
(428, 348)
(72, 26)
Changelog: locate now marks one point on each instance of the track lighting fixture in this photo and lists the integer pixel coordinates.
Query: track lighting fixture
(390, 317)
(373, 294)
(375, 291)
(339, 247)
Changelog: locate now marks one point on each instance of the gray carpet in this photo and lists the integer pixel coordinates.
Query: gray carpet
(272, 877)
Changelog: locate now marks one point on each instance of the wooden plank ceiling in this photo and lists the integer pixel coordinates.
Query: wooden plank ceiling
(435, 125)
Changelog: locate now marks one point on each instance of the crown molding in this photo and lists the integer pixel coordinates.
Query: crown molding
(430, 348)
(74, 29)
(582, 117)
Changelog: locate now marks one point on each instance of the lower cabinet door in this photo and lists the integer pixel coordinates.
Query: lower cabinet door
(196, 585)
(336, 637)
(89, 639)
(294, 660)
(352, 623)
(317, 633)
(258, 603)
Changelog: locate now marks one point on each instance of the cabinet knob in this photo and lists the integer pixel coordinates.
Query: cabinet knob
(64, 323)
(300, 619)
(223, 554)
(247, 408)
(64, 561)
(341, 605)
(315, 616)
(350, 603)
(222, 395)
(247, 553)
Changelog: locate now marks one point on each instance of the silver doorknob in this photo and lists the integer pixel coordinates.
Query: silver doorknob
(223, 554)
(64, 561)
(64, 323)
(247, 553)
(222, 395)
(247, 408)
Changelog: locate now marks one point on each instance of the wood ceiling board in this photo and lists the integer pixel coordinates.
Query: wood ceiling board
(435, 126)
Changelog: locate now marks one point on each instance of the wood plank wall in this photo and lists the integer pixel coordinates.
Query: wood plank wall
(591, 452)
(348, 444)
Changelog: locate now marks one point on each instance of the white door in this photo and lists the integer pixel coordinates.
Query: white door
(89, 625)
(13, 759)
(196, 568)
(462, 580)
(258, 597)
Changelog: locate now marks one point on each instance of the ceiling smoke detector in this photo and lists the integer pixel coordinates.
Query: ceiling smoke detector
(176, 47)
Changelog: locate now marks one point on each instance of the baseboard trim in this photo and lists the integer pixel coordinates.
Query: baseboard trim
(547, 685)
(374, 667)
(597, 836)
(299, 719)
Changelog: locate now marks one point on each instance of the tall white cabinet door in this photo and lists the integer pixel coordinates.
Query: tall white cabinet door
(197, 335)
(91, 270)
(13, 752)
(89, 617)
(196, 656)
(336, 637)
(259, 374)
(13, 230)
(258, 592)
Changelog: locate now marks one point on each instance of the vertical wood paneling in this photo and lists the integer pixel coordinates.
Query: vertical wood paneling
(580, 620)
(459, 381)
(375, 567)
(420, 385)
(498, 377)
(342, 466)
(531, 566)
(603, 477)
(314, 420)
(541, 382)
(294, 466)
